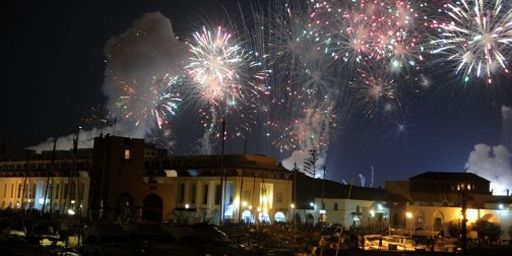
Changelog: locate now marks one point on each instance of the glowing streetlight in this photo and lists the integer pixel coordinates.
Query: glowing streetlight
(408, 215)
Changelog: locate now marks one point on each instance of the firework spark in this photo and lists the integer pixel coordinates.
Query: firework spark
(219, 69)
(96, 117)
(376, 89)
(477, 36)
(158, 101)
(225, 80)
(371, 29)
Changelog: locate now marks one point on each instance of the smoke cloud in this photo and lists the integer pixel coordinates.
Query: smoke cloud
(493, 164)
(313, 130)
(146, 50)
(362, 178)
(85, 140)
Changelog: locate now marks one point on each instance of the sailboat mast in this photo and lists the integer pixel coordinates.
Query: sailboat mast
(50, 170)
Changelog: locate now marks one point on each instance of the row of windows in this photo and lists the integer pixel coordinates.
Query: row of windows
(193, 194)
(193, 189)
(55, 191)
(46, 165)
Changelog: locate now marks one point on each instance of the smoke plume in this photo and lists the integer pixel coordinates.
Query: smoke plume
(493, 164)
(146, 50)
(362, 178)
(85, 140)
(313, 131)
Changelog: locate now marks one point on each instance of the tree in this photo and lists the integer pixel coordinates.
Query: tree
(310, 162)
(488, 232)
(454, 229)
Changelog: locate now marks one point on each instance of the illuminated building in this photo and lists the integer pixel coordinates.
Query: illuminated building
(435, 199)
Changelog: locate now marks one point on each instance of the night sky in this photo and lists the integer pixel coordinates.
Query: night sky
(54, 70)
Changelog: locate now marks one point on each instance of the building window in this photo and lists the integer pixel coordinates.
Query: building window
(218, 195)
(33, 195)
(280, 217)
(264, 218)
(19, 190)
(420, 220)
(65, 192)
(57, 190)
(12, 190)
(193, 188)
(181, 194)
(127, 154)
(205, 194)
(247, 217)
(335, 206)
(81, 191)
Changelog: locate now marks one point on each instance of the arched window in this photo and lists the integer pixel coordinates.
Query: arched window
(264, 218)
(438, 220)
(247, 217)
(279, 217)
(420, 219)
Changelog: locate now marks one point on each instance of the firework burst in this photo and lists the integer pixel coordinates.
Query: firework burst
(226, 82)
(376, 89)
(220, 69)
(96, 117)
(371, 30)
(157, 102)
(477, 37)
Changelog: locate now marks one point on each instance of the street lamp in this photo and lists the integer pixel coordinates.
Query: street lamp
(371, 214)
(409, 215)
(463, 189)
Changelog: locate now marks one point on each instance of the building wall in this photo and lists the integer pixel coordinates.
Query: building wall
(423, 218)
(399, 188)
(347, 212)
(165, 188)
(118, 168)
(200, 197)
(29, 193)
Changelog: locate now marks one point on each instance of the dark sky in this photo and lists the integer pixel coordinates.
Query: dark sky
(53, 54)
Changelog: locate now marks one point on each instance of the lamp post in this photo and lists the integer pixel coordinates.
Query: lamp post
(292, 206)
(371, 214)
(463, 189)
(408, 215)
